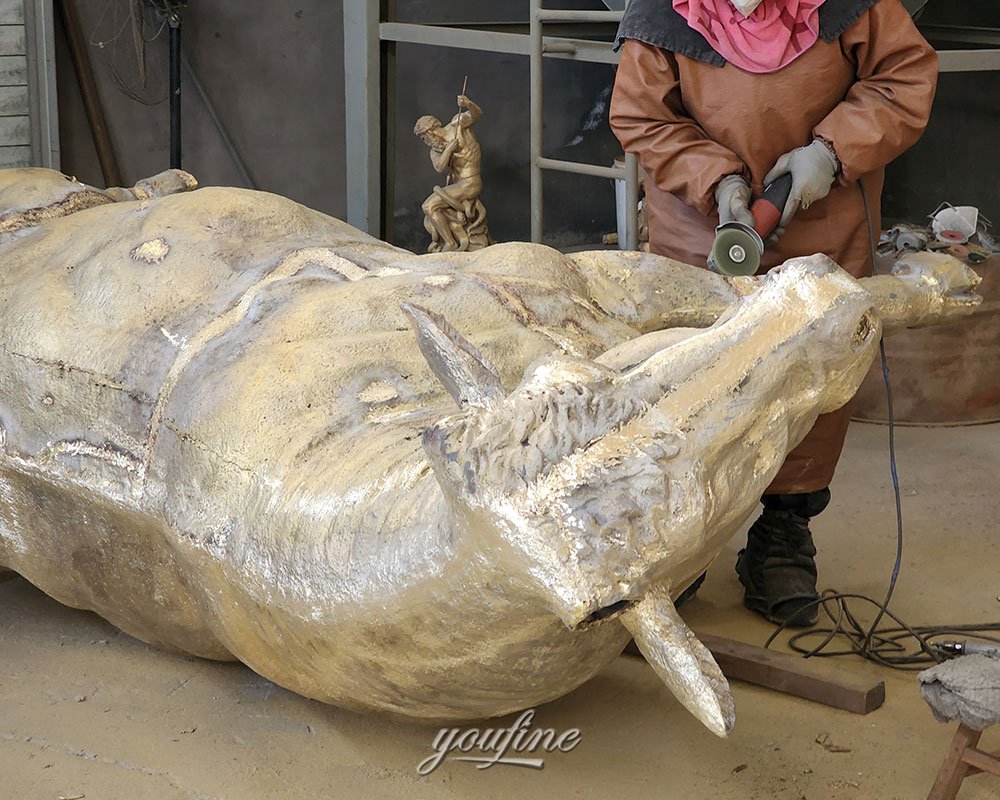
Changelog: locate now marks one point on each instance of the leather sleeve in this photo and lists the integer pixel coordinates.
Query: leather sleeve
(887, 110)
(649, 119)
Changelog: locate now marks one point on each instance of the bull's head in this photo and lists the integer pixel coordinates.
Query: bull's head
(612, 489)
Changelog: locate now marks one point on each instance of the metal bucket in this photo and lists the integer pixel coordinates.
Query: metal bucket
(948, 375)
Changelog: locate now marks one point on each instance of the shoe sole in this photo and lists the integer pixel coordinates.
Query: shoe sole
(791, 623)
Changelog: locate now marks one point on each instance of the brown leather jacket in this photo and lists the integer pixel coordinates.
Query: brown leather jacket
(868, 94)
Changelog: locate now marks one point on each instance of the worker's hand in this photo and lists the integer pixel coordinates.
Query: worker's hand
(813, 170)
(463, 101)
(733, 196)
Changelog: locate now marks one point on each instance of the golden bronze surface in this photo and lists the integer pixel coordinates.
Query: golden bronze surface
(446, 486)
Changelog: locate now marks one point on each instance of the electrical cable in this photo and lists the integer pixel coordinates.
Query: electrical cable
(884, 646)
(131, 68)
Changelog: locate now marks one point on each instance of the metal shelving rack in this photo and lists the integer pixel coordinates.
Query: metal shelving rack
(629, 173)
(370, 38)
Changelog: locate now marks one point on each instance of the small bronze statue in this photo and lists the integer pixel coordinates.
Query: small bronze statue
(454, 216)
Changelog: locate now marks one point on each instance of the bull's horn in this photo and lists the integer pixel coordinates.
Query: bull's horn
(681, 661)
(461, 368)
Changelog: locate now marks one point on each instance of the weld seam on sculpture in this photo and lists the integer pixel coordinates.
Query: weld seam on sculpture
(354, 501)
(289, 267)
(11, 222)
(106, 380)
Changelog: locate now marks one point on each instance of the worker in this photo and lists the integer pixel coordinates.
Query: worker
(718, 98)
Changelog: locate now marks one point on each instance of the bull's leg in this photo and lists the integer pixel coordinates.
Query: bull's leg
(169, 181)
(652, 293)
(924, 289)
(633, 352)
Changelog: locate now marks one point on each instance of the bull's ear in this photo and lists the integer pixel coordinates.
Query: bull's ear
(461, 368)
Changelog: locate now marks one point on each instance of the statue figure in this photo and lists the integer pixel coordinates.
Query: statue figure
(442, 488)
(454, 215)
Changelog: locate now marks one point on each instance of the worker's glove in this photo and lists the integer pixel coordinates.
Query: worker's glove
(813, 169)
(733, 196)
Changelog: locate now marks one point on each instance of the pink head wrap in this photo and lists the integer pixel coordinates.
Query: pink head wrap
(772, 37)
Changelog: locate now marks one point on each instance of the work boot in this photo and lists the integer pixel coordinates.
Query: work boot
(777, 567)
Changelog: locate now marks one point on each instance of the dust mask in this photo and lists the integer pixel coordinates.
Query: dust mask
(746, 7)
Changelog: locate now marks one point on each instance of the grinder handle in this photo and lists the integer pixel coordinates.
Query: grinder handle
(768, 208)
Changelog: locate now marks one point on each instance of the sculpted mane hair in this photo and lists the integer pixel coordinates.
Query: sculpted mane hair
(532, 430)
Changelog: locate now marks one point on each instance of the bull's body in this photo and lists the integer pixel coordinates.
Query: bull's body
(212, 411)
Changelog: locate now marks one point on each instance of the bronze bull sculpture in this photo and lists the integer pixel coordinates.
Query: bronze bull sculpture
(447, 486)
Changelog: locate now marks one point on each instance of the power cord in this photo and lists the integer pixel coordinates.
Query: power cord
(885, 646)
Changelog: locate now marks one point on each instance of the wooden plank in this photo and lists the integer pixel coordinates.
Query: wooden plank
(983, 762)
(19, 156)
(13, 71)
(794, 675)
(11, 12)
(13, 101)
(15, 131)
(12, 40)
(954, 770)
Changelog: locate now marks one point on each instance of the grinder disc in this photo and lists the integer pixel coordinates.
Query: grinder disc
(736, 252)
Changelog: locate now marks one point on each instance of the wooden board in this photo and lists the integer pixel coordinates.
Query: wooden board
(12, 41)
(814, 680)
(11, 12)
(15, 156)
(15, 131)
(13, 71)
(807, 678)
(13, 101)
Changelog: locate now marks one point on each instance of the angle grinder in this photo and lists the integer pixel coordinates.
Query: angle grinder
(738, 248)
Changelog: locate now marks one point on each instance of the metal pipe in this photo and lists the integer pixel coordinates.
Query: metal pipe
(363, 101)
(88, 90)
(631, 202)
(492, 41)
(969, 60)
(387, 113)
(594, 170)
(957, 33)
(536, 127)
(558, 46)
(586, 30)
(562, 15)
(241, 165)
(590, 51)
(175, 91)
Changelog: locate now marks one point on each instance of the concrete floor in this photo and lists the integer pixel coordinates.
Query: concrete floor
(88, 711)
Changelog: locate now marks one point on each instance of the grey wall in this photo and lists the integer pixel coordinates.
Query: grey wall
(956, 161)
(274, 70)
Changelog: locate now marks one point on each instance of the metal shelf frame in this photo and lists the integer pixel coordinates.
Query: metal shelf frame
(370, 38)
(629, 173)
